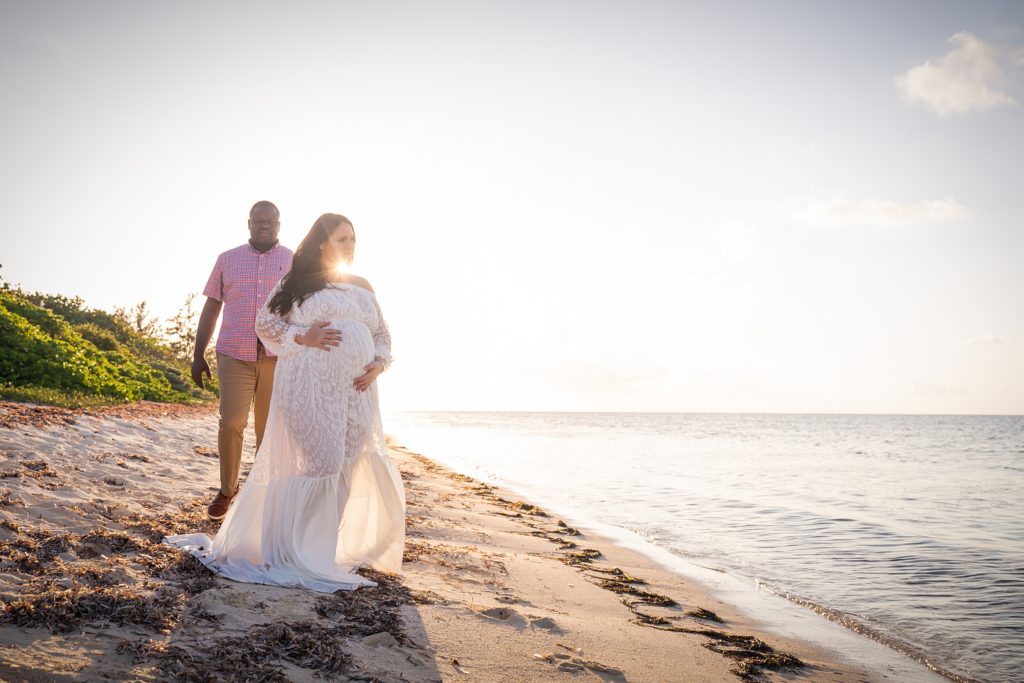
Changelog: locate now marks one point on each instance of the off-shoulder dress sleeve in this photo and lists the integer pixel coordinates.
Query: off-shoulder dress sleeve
(381, 338)
(276, 333)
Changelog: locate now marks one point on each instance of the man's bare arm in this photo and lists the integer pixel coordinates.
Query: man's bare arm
(207, 321)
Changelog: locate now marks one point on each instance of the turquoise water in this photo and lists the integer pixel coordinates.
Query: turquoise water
(908, 529)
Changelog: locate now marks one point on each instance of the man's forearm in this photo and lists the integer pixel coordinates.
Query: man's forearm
(207, 321)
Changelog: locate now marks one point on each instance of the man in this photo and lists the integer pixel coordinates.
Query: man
(240, 283)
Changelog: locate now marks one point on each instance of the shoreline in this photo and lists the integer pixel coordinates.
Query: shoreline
(769, 614)
(641, 595)
(765, 610)
(493, 588)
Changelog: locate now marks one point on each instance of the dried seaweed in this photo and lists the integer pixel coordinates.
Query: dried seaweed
(30, 551)
(426, 597)
(751, 654)
(310, 644)
(7, 499)
(191, 575)
(581, 556)
(706, 614)
(649, 620)
(365, 612)
(242, 660)
(617, 573)
(65, 596)
(141, 649)
(111, 571)
(62, 610)
(752, 660)
(642, 596)
(206, 451)
(415, 551)
(38, 468)
(191, 518)
(520, 506)
(115, 541)
(564, 528)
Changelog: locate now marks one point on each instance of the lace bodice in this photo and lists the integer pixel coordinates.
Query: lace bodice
(336, 302)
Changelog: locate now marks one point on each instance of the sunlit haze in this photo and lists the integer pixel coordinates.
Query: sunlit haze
(643, 206)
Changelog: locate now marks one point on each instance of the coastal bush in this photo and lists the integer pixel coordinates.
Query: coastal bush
(102, 339)
(54, 342)
(54, 397)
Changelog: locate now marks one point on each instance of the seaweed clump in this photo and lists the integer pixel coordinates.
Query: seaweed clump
(257, 656)
(645, 597)
(62, 610)
(317, 644)
(363, 613)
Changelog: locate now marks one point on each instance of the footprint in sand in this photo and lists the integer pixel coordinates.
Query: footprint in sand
(382, 651)
(546, 623)
(504, 615)
(564, 662)
(382, 639)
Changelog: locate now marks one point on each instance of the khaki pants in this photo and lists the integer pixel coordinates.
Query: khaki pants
(241, 384)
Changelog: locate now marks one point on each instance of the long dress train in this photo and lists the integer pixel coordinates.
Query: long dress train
(323, 497)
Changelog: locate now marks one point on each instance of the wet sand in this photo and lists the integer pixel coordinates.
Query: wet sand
(493, 588)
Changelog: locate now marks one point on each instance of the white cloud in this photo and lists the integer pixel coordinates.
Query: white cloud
(985, 341)
(964, 79)
(841, 211)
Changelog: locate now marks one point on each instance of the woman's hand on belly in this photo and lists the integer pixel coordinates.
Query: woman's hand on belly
(319, 336)
(363, 382)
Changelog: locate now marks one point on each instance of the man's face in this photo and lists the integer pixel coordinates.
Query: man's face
(264, 224)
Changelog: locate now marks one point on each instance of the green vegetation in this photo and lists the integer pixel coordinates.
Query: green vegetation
(54, 397)
(54, 350)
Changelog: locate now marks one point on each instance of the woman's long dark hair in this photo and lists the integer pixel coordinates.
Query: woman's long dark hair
(307, 274)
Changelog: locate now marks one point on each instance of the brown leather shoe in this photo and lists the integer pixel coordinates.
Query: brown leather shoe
(219, 507)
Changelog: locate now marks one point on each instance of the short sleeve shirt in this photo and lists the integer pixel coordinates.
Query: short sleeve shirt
(242, 279)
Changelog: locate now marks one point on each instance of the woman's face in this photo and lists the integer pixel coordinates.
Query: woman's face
(339, 248)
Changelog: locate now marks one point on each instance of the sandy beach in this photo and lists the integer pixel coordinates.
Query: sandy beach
(493, 588)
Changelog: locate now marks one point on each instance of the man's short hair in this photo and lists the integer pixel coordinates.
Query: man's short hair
(264, 204)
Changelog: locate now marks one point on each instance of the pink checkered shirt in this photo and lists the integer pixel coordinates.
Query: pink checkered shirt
(242, 279)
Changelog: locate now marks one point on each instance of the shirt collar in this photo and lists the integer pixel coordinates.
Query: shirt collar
(256, 251)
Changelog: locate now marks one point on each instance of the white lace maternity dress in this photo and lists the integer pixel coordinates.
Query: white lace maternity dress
(323, 497)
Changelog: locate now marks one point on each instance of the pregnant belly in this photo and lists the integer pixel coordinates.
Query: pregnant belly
(348, 359)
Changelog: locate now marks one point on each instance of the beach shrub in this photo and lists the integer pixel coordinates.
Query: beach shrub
(54, 342)
(54, 397)
(101, 338)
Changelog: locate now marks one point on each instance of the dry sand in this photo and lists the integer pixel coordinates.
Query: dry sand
(493, 589)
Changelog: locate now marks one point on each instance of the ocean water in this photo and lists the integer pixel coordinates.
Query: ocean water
(906, 529)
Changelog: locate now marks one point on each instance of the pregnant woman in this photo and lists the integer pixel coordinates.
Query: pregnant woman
(323, 497)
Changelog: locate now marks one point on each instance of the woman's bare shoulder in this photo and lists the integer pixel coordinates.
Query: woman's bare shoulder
(358, 281)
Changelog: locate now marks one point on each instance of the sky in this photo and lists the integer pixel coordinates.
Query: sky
(575, 205)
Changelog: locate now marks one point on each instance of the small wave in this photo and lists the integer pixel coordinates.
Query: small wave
(859, 627)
